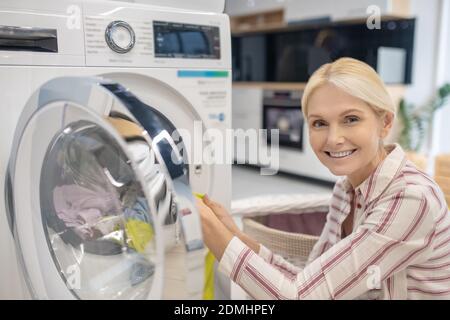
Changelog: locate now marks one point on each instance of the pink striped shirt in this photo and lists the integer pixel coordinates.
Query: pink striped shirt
(399, 247)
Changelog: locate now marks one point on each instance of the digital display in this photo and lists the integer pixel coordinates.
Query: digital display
(186, 41)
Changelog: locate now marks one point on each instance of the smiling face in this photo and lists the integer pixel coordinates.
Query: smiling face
(346, 133)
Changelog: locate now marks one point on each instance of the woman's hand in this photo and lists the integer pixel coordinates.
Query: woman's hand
(213, 213)
(206, 214)
(222, 214)
(215, 235)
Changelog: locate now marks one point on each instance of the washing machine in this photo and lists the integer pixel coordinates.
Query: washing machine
(102, 104)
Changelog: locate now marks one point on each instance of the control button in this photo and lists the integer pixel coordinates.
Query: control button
(198, 169)
(120, 36)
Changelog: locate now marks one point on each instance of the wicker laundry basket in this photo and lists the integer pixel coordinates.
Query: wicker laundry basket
(442, 175)
(288, 225)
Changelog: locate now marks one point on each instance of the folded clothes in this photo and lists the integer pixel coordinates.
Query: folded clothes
(82, 209)
(84, 222)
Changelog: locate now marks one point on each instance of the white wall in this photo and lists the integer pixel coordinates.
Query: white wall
(441, 128)
(197, 5)
(296, 10)
(244, 7)
(425, 53)
(431, 67)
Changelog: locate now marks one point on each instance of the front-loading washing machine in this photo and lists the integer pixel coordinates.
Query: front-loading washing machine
(96, 175)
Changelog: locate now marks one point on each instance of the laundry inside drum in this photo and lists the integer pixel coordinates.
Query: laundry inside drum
(99, 226)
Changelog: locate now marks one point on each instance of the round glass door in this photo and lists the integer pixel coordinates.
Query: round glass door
(98, 224)
(96, 195)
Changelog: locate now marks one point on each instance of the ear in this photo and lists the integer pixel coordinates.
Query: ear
(388, 122)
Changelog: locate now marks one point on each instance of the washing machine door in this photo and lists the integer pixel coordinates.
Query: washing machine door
(94, 177)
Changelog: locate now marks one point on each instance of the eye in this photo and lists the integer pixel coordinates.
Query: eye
(318, 123)
(351, 119)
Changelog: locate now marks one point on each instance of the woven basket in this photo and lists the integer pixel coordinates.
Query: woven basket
(288, 224)
(294, 247)
(442, 166)
(442, 175)
(418, 159)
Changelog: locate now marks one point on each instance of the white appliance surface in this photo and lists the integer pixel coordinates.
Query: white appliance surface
(183, 87)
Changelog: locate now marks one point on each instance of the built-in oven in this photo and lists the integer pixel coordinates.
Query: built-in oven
(289, 151)
(282, 111)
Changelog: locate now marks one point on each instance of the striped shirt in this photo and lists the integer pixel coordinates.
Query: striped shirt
(399, 247)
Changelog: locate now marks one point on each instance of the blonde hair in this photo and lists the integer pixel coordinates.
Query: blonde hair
(355, 78)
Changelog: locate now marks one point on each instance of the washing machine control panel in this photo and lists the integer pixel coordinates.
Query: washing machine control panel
(145, 36)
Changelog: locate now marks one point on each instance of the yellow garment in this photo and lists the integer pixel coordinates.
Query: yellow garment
(199, 195)
(140, 233)
(208, 290)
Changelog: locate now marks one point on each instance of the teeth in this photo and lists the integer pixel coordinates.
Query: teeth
(340, 154)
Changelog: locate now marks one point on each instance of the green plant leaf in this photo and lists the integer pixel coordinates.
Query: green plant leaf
(444, 91)
(417, 121)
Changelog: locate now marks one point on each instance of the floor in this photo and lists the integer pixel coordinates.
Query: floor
(247, 182)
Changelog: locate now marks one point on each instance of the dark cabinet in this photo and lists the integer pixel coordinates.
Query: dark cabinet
(294, 53)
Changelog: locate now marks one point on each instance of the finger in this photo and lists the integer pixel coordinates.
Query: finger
(203, 208)
(216, 207)
(200, 204)
(206, 198)
(209, 202)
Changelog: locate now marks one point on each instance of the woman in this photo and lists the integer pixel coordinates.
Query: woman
(387, 234)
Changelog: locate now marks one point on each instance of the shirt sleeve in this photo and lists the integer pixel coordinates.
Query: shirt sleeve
(396, 233)
(278, 262)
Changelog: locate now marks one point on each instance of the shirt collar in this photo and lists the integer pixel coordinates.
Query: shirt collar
(385, 172)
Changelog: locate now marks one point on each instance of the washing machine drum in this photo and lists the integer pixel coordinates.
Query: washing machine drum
(94, 178)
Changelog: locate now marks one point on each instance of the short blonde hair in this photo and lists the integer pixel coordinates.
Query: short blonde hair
(355, 78)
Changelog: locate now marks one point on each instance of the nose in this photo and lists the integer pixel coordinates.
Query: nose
(335, 136)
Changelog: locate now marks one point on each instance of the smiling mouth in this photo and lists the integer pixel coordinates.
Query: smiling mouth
(340, 155)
